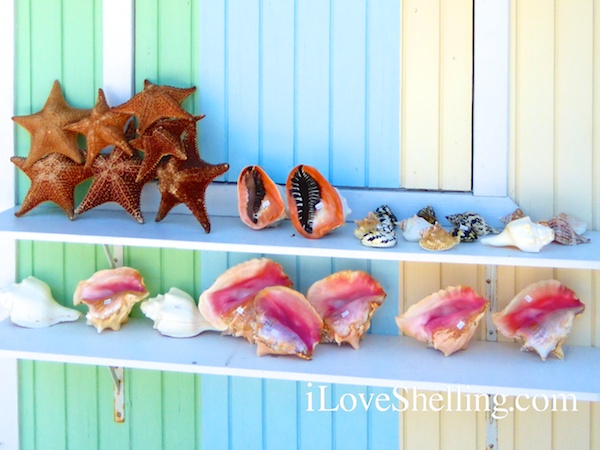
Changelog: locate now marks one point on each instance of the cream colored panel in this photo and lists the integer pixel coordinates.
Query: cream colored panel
(458, 423)
(532, 428)
(421, 429)
(456, 49)
(533, 63)
(596, 118)
(572, 428)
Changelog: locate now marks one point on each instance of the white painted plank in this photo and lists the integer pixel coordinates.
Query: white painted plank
(491, 97)
(9, 425)
(486, 367)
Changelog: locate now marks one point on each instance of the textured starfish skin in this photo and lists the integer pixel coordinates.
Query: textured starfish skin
(114, 181)
(53, 179)
(47, 128)
(182, 182)
(102, 128)
(155, 102)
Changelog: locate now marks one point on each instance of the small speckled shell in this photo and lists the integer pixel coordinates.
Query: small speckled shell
(464, 233)
(428, 214)
(564, 232)
(473, 221)
(379, 239)
(436, 238)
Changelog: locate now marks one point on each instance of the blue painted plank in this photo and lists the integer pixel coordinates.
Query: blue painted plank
(277, 88)
(246, 413)
(316, 424)
(215, 432)
(384, 422)
(242, 41)
(313, 84)
(281, 414)
(348, 93)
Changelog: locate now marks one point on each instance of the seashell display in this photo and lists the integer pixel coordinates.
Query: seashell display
(378, 228)
(367, 225)
(541, 316)
(578, 225)
(464, 233)
(412, 227)
(386, 216)
(516, 214)
(379, 239)
(110, 294)
(428, 214)
(30, 304)
(228, 304)
(524, 234)
(260, 203)
(316, 207)
(473, 221)
(175, 314)
(435, 238)
(564, 232)
(285, 323)
(346, 301)
(445, 320)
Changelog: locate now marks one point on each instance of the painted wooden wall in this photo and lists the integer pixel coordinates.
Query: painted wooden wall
(280, 86)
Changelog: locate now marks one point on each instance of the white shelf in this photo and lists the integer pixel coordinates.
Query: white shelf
(385, 361)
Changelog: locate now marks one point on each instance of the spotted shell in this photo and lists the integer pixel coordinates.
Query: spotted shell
(379, 239)
(428, 214)
(564, 232)
(435, 238)
(464, 233)
(472, 220)
(385, 214)
(516, 214)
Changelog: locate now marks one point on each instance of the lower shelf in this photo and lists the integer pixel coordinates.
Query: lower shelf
(384, 361)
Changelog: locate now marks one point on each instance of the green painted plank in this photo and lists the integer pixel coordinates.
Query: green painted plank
(113, 435)
(81, 407)
(148, 261)
(146, 42)
(178, 270)
(145, 421)
(27, 404)
(179, 411)
(50, 406)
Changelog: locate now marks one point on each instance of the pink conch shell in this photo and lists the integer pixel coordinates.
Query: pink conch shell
(564, 232)
(346, 301)
(446, 319)
(524, 234)
(227, 304)
(285, 323)
(110, 295)
(412, 227)
(435, 238)
(541, 316)
(260, 204)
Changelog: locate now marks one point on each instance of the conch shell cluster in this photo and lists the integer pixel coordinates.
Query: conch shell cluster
(110, 295)
(346, 301)
(175, 314)
(541, 316)
(30, 304)
(446, 320)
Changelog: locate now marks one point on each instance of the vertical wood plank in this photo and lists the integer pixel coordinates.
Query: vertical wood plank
(179, 410)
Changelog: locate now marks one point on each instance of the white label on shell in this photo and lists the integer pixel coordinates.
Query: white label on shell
(239, 310)
(319, 206)
(464, 227)
(107, 301)
(528, 298)
(265, 204)
(345, 313)
(460, 325)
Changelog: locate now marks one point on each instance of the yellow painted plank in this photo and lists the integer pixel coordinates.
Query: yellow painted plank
(596, 118)
(571, 429)
(456, 69)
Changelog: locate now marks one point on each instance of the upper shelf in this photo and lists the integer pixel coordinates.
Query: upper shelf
(180, 230)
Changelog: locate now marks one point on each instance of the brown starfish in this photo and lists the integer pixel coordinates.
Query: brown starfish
(53, 179)
(114, 181)
(46, 128)
(155, 102)
(163, 138)
(102, 128)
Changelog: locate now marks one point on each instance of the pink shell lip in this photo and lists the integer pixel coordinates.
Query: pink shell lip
(541, 316)
(106, 283)
(285, 323)
(446, 320)
(346, 301)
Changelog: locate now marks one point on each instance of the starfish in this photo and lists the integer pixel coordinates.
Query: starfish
(102, 128)
(114, 181)
(156, 102)
(186, 182)
(163, 138)
(53, 179)
(46, 128)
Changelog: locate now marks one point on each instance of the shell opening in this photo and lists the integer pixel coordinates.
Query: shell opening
(307, 195)
(256, 193)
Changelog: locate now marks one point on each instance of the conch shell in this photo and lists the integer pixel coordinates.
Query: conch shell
(285, 323)
(260, 203)
(30, 304)
(541, 316)
(346, 301)
(524, 234)
(316, 207)
(378, 228)
(175, 314)
(110, 295)
(578, 225)
(228, 304)
(435, 238)
(412, 227)
(446, 319)
(564, 233)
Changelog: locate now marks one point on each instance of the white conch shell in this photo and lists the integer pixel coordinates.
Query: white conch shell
(412, 227)
(524, 234)
(30, 304)
(175, 314)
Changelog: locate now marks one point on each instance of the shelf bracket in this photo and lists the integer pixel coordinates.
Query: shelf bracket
(491, 293)
(115, 259)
